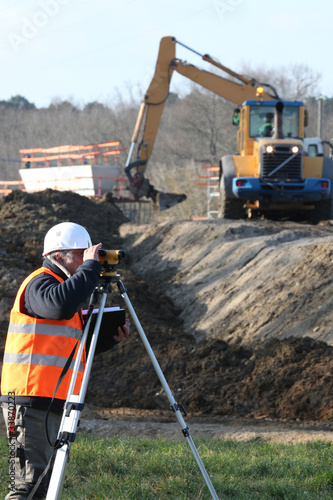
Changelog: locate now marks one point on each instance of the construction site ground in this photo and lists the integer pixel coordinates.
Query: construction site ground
(238, 313)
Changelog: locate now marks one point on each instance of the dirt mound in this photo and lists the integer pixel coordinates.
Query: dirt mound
(283, 379)
(250, 316)
(254, 280)
(239, 315)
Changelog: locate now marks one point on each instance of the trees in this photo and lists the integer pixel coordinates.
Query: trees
(297, 81)
(17, 102)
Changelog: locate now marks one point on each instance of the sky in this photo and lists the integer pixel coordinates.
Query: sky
(93, 50)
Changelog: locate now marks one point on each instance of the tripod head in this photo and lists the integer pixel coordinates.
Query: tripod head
(109, 259)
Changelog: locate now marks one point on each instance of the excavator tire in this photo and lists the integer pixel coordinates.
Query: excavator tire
(229, 208)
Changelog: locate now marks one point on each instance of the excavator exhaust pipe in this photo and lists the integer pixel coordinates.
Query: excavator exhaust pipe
(278, 121)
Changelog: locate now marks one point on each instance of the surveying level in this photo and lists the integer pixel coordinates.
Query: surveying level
(75, 403)
(110, 257)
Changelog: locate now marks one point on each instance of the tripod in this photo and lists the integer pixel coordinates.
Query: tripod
(74, 403)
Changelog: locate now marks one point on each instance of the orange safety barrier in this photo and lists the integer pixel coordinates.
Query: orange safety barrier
(70, 153)
(211, 179)
(212, 185)
(212, 168)
(5, 189)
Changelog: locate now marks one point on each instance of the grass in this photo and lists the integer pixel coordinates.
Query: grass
(126, 468)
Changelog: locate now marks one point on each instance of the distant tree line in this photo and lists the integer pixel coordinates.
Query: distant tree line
(195, 130)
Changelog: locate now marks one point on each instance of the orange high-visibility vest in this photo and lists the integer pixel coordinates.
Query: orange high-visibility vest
(37, 349)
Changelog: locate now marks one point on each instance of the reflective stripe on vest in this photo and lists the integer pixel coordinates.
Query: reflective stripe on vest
(38, 359)
(44, 329)
(37, 349)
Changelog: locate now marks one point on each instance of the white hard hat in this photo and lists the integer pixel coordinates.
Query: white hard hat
(66, 236)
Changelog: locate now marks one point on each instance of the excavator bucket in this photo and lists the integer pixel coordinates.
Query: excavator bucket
(168, 200)
(140, 186)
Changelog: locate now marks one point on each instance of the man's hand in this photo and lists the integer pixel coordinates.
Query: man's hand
(123, 332)
(92, 252)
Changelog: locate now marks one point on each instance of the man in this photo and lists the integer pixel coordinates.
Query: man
(45, 323)
(266, 130)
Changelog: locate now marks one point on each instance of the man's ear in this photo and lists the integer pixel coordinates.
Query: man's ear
(60, 258)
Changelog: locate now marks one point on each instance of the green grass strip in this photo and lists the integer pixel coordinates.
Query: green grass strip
(126, 468)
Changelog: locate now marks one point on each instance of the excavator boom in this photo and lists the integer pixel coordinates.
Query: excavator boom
(152, 107)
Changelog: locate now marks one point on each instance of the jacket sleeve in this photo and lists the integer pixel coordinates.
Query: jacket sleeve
(46, 297)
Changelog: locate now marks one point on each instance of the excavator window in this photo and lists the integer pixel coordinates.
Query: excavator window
(262, 121)
(291, 121)
(236, 116)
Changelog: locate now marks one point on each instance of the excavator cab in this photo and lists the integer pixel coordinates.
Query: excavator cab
(272, 172)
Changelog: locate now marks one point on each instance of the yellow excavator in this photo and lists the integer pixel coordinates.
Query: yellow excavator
(271, 171)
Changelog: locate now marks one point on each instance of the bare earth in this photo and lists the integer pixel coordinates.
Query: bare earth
(239, 315)
(125, 422)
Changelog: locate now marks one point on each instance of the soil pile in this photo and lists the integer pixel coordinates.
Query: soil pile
(251, 280)
(238, 314)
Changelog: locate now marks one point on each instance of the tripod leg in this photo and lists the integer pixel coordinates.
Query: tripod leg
(57, 478)
(173, 405)
(72, 410)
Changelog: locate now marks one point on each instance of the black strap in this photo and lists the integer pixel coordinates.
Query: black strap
(91, 306)
(41, 477)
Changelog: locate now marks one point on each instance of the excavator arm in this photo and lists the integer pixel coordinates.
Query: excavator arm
(152, 107)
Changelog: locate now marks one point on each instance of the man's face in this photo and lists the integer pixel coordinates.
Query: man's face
(72, 260)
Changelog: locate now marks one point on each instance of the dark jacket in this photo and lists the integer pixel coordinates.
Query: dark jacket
(46, 297)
